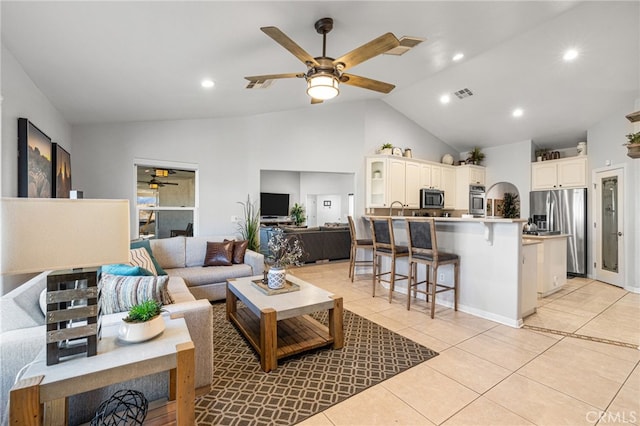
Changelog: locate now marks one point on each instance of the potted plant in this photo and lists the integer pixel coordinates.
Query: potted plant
(249, 228)
(297, 214)
(386, 149)
(142, 323)
(633, 145)
(511, 206)
(284, 250)
(475, 156)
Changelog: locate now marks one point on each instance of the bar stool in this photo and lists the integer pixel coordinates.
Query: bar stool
(384, 245)
(362, 244)
(423, 249)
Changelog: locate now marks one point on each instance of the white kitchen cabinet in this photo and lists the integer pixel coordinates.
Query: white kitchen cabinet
(430, 176)
(529, 289)
(465, 176)
(551, 263)
(556, 174)
(448, 185)
(412, 185)
(377, 193)
(392, 179)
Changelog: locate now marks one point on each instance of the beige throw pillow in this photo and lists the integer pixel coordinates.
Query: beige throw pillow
(140, 257)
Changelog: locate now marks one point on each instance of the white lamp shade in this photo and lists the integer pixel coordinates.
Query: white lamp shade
(322, 87)
(40, 234)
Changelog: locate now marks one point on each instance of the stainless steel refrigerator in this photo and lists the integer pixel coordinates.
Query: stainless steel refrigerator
(564, 211)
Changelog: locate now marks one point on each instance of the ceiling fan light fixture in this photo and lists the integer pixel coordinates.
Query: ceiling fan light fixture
(323, 86)
(153, 185)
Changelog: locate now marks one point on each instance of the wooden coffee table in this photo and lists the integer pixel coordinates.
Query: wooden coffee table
(278, 325)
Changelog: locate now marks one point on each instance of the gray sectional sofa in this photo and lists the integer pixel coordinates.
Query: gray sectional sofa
(22, 337)
(184, 256)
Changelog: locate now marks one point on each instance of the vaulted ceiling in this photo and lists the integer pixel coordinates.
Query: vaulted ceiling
(129, 61)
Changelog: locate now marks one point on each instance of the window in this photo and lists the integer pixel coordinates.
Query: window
(166, 201)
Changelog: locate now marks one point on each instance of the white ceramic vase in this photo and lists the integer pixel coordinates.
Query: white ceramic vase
(140, 331)
(276, 278)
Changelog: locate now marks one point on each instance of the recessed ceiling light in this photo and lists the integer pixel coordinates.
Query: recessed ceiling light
(570, 55)
(445, 99)
(458, 56)
(517, 112)
(207, 84)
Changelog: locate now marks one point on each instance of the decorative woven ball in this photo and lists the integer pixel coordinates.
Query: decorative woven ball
(123, 408)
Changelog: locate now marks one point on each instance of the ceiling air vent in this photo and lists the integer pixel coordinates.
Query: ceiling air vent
(463, 93)
(406, 43)
(259, 84)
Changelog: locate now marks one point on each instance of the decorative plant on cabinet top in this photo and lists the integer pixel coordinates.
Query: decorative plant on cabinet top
(476, 156)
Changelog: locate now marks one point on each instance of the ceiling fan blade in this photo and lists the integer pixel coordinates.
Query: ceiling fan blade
(316, 101)
(261, 78)
(368, 50)
(366, 83)
(283, 40)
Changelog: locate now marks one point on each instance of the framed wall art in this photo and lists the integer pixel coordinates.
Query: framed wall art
(61, 161)
(35, 168)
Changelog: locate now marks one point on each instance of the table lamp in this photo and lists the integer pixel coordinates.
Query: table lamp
(72, 238)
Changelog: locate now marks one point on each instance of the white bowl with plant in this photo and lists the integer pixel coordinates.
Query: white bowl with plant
(143, 322)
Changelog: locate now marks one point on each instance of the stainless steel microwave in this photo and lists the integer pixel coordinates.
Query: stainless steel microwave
(431, 198)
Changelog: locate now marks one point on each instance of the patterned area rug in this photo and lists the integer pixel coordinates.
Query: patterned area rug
(302, 385)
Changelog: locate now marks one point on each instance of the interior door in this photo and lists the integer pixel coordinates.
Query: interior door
(608, 226)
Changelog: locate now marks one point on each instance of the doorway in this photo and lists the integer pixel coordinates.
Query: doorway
(609, 225)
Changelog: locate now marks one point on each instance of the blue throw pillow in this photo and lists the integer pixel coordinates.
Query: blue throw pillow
(126, 270)
(147, 246)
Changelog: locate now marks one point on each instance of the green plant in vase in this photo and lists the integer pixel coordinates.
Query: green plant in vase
(249, 228)
(297, 214)
(476, 156)
(386, 148)
(144, 311)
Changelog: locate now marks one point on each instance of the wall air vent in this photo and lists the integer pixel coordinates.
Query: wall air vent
(406, 43)
(463, 93)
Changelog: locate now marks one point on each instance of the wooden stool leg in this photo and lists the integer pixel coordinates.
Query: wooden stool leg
(352, 261)
(409, 285)
(434, 286)
(456, 280)
(376, 272)
(392, 283)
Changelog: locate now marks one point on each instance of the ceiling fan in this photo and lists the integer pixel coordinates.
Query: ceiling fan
(324, 74)
(155, 183)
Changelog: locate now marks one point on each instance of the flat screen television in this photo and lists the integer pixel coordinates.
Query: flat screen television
(272, 204)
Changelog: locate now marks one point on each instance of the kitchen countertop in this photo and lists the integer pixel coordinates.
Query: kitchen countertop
(461, 219)
(529, 242)
(544, 237)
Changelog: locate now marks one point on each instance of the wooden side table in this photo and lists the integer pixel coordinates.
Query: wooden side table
(40, 397)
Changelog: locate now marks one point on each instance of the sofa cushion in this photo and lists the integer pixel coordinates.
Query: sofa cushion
(170, 252)
(20, 308)
(239, 249)
(218, 254)
(200, 275)
(120, 293)
(147, 246)
(141, 257)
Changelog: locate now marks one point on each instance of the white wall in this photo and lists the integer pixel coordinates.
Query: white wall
(604, 145)
(511, 163)
(21, 98)
(338, 185)
(231, 152)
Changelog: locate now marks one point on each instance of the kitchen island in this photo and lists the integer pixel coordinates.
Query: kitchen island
(551, 262)
(491, 256)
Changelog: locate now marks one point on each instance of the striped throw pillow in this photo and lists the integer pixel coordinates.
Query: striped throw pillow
(140, 257)
(118, 293)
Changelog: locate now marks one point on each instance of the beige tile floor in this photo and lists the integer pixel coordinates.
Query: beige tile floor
(491, 374)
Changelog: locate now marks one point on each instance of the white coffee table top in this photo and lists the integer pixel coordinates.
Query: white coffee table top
(80, 373)
(307, 300)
